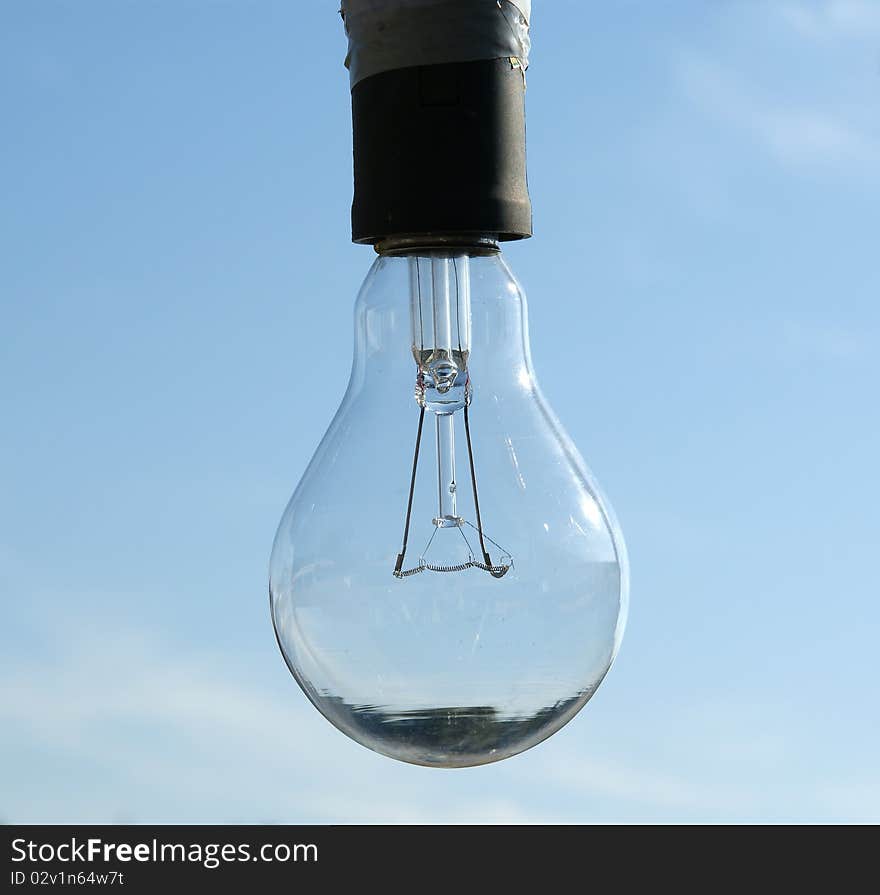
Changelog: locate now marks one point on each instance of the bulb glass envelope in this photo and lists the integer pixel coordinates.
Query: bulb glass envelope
(461, 608)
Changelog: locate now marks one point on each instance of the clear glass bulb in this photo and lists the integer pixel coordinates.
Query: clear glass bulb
(448, 585)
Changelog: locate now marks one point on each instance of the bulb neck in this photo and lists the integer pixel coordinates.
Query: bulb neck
(458, 243)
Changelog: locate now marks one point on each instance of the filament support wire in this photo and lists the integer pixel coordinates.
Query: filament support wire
(496, 570)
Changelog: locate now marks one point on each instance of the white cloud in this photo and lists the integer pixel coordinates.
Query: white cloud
(811, 137)
(155, 734)
(614, 780)
(826, 341)
(114, 724)
(857, 801)
(834, 19)
(797, 132)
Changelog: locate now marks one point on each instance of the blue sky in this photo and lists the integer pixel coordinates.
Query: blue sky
(175, 310)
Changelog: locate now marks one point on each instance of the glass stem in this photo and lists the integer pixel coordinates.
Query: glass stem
(446, 515)
(442, 303)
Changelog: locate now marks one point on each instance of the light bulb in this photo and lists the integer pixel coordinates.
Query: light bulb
(447, 585)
